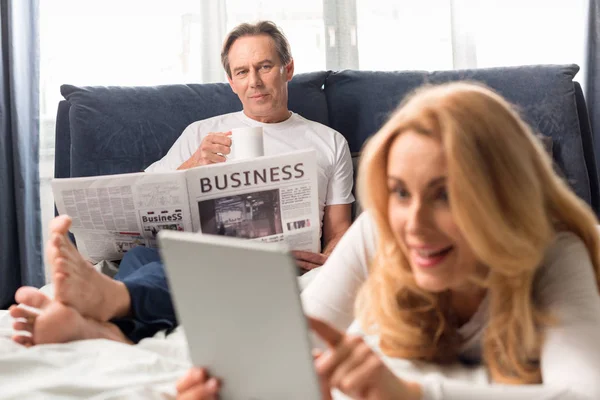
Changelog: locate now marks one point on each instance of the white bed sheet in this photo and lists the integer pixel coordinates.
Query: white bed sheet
(102, 369)
(93, 369)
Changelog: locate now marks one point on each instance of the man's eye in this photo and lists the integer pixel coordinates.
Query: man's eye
(240, 73)
(266, 67)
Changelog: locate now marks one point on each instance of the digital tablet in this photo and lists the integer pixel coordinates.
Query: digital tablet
(239, 304)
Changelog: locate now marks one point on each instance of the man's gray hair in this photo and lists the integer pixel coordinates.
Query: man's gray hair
(260, 28)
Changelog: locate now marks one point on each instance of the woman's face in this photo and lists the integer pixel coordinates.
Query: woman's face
(420, 214)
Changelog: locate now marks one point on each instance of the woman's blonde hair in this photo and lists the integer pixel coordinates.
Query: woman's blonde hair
(509, 204)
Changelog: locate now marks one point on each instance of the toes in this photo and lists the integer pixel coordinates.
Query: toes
(26, 341)
(56, 239)
(53, 248)
(60, 280)
(72, 259)
(59, 242)
(72, 255)
(59, 266)
(24, 292)
(18, 312)
(24, 318)
(32, 297)
(64, 257)
(68, 245)
(20, 325)
(60, 224)
(63, 265)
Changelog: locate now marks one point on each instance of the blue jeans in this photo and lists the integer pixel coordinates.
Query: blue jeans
(143, 273)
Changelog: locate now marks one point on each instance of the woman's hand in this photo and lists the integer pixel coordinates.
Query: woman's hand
(324, 384)
(352, 367)
(198, 385)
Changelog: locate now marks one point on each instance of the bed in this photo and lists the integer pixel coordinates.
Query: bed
(102, 369)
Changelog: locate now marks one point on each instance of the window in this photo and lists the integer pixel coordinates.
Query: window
(109, 42)
(301, 21)
(517, 32)
(404, 35)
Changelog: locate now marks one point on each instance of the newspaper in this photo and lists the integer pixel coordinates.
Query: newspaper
(270, 199)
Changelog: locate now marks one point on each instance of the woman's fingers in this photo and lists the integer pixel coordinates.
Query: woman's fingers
(345, 351)
(193, 377)
(349, 364)
(330, 361)
(359, 353)
(323, 382)
(208, 390)
(316, 353)
(357, 381)
(328, 333)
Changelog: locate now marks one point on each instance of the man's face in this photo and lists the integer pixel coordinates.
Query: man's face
(259, 79)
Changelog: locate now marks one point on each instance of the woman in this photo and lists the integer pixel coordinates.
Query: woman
(471, 249)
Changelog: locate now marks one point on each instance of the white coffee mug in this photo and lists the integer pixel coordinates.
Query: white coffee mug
(246, 143)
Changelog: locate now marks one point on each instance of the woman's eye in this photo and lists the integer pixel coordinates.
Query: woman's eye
(442, 195)
(401, 193)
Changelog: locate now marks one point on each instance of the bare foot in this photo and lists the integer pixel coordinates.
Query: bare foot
(77, 283)
(56, 322)
(24, 323)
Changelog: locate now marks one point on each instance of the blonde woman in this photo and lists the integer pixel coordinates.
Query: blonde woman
(471, 250)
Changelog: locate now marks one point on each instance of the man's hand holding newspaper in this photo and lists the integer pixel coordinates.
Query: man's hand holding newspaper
(270, 199)
(307, 260)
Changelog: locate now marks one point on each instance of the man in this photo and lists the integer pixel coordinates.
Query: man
(258, 63)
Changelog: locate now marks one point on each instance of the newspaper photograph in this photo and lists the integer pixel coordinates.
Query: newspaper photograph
(271, 199)
(250, 216)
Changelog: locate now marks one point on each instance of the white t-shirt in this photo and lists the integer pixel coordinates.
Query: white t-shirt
(565, 284)
(334, 162)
